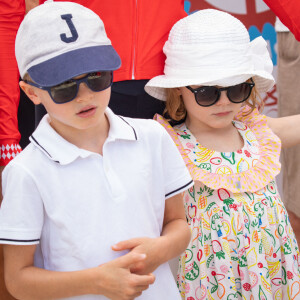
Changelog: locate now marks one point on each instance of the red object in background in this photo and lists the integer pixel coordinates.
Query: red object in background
(11, 15)
(251, 18)
(288, 13)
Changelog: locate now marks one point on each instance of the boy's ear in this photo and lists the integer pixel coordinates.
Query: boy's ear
(30, 91)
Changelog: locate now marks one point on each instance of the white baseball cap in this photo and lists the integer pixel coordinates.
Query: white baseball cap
(60, 40)
(211, 47)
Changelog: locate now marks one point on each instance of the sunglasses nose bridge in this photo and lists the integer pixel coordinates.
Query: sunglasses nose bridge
(223, 96)
(80, 81)
(83, 90)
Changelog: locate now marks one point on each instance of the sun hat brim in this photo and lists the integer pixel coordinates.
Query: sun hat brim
(71, 64)
(157, 86)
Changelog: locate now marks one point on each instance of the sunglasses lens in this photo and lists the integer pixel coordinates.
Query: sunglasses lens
(239, 93)
(64, 92)
(99, 81)
(207, 95)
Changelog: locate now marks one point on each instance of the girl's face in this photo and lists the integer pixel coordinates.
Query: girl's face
(217, 116)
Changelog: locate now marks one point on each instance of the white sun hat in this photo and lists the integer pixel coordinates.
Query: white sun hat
(211, 47)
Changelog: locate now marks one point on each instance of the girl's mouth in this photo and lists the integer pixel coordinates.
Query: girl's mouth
(222, 114)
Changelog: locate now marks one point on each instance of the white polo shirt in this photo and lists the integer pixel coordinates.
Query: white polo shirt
(76, 204)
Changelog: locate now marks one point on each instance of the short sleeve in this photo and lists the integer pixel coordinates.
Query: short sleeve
(177, 176)
(21, 211)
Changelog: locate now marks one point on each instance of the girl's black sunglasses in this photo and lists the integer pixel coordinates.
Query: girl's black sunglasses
(209, 95)
(67, 91)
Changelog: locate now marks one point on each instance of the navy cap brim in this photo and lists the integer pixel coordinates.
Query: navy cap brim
(71, 64)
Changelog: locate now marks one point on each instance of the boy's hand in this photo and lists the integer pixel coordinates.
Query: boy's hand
(117, 281)
(152, 247)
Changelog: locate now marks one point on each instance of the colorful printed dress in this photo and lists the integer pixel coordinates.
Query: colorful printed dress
(242, 245)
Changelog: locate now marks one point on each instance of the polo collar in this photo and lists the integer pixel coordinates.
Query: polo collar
(61, 151)
(120, 127)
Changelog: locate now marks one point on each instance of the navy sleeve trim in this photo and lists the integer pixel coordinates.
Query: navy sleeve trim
(20, 241)
(179, 188)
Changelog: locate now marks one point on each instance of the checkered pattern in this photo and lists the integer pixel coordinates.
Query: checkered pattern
(8, 152)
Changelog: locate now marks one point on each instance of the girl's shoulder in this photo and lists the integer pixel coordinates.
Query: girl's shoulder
(257, 122)
(260, 172)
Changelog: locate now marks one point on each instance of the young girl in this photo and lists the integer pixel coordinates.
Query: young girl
(242, 245)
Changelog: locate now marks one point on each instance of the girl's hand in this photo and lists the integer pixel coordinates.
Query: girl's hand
(117, 282)
(152, 247)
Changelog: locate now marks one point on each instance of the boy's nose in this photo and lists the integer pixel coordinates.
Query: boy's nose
(84, 92)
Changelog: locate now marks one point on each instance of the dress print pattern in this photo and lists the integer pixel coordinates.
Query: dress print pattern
(242, 244)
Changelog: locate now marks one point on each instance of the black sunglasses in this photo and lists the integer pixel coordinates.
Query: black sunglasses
(209, 95)
(67, 91)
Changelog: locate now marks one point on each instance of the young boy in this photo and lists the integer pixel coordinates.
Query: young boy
(93, 205)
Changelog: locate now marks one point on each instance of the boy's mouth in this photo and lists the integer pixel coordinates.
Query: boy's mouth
(87, 111)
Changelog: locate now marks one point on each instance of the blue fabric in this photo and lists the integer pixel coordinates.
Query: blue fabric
(71, 64)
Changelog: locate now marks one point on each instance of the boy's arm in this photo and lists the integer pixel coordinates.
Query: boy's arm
(175, 231)
(172, 242)
(287, 129)
(113, 279)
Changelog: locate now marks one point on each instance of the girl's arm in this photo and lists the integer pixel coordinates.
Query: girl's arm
(287, 129)
(113, 279)
(173, 241)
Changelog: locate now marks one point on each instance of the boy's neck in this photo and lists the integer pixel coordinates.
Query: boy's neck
(91, 139)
